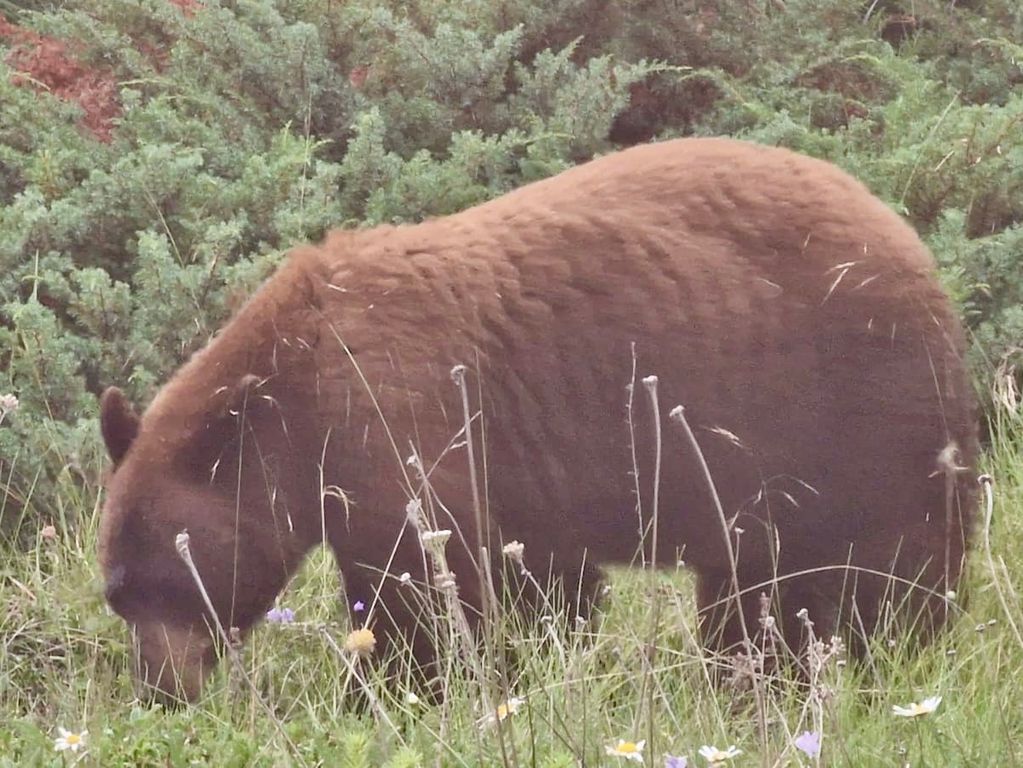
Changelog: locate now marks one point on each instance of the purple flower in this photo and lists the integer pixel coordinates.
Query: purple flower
(280, 615)
(671, 761)
(808, 742)
(358, 606)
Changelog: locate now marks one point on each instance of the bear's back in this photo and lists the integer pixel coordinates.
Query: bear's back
(793, 314)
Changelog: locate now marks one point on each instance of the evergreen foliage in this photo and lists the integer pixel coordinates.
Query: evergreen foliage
(158, 158)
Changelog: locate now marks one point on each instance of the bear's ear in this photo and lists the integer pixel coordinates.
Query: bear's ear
(118, 423)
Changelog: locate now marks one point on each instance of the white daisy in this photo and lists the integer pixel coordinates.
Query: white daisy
(916, 709)
(69, 740)
(627, 750)
(716, 756)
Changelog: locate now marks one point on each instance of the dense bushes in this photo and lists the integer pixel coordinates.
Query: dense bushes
(156, 158)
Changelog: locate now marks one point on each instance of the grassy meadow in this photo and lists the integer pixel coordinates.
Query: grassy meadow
(297, 696)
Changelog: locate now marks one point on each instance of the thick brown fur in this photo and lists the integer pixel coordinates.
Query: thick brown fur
(797, 319)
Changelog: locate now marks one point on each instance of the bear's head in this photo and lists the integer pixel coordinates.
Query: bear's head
(154, 495)
(221, 453)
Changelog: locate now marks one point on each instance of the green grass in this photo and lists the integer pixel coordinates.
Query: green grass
(637, 674)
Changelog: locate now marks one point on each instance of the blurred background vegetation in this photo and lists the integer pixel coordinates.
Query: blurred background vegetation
(158, 158)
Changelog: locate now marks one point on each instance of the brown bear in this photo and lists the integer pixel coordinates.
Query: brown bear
(796, 318)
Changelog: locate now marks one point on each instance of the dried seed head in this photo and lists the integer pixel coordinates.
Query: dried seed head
(181, 544)
(361, 642)
(414, 513)
(446, 582)
(514, 551)
(435, 540)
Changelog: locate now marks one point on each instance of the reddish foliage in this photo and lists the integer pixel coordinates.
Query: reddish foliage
(49, 64)
(358, 76)
(187, 7)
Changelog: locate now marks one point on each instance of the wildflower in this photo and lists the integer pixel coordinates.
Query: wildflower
(405, 578)
(280, 615)
(716, 756)
(358, 606)
(435, 540)
(8, 404)
(809, 743)
(915, 709)
(670, 761)
(510, 707)
(504, 710)
(628, 750)
(411, 699)
(361, 642)
(48, 532)
(69, 740)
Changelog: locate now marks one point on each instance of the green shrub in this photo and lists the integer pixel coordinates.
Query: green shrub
(157, 159)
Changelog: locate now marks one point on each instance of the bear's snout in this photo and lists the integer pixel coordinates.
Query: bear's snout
(172, 663)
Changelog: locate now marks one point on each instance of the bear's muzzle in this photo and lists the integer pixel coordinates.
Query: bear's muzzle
(172, 663)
